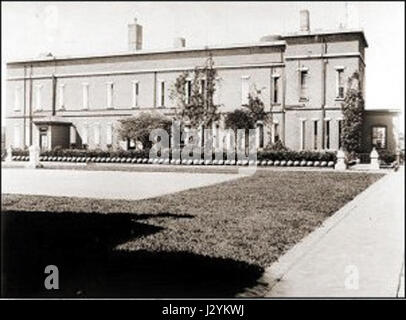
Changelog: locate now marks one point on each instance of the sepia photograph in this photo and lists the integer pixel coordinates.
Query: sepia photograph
(232, 150)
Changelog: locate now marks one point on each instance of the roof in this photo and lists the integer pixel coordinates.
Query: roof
(152, 51)
(326, 32)
(52, 120)
(382, 110)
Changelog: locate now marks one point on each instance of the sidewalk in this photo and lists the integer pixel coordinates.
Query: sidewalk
(358, 252)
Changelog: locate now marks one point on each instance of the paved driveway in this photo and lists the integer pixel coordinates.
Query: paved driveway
(104, 184)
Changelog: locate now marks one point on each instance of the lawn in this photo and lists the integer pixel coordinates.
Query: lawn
(253, 219)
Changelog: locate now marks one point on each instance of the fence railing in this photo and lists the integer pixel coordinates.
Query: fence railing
(364, 157)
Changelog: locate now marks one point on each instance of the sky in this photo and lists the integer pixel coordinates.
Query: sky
(70, 28)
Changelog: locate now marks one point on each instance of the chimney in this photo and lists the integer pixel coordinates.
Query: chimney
(179, 42)
(134, 36)
(304, 20)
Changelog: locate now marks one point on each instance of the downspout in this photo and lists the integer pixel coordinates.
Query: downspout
(323, 94)
(53, 95)
(283, 98)
(30, 104)
(25, 106)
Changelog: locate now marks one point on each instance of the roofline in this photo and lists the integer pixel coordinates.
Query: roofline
(384, 110)
(325, 32)
(278, 43)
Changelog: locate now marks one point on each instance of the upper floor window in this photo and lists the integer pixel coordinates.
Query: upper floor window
(244, 90)
(303, 83)
(61, 100)
(340, 83)
(136, 93)
(38, 97)
(275, 88)
(17, 98)
(85, 96)
(379, 137)
(110, 93)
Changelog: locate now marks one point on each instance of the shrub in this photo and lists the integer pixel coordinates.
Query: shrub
(386, 156)
(277, 146)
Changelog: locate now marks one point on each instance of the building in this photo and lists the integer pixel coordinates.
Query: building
(77, 101)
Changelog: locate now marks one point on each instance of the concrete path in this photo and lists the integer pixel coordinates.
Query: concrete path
(104, 184)
(358, 252)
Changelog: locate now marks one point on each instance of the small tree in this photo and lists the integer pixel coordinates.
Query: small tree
(198, 108)
(353, 111)
(138, 128)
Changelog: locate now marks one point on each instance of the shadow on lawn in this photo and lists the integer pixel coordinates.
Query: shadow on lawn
(81, 246)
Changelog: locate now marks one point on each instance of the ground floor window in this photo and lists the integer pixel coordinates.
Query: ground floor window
(315, 134)
(379, 137)
(340, 124)
(327, 134)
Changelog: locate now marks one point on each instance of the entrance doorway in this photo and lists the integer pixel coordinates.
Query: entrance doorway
(43, 141)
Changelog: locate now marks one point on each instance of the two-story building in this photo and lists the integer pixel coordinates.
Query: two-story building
(77, 101)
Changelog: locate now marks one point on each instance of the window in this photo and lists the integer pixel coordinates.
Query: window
(275, 88)
(136, 92)
(61, 100)
(203, 87)
(110, 92)
(38, 97)
(162, 93)
(72, 135)
(275, 132)
(17, 136)
(17, 98)
(315, 134)
(109, 134)
(244, 90)
(97, 134)
(85, 134)
(303, 82)
(379, 137)
(188, 90)
(85, 95)
(216, 93)
(260, 133)
(327, 134)
(340, 124)
(303, 135)
(340, 83)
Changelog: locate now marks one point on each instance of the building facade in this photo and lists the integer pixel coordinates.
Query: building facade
(77, 101)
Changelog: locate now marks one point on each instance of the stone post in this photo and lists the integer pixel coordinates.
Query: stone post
(374, 159)
(340, 165)
(9, 155)
(34, 157)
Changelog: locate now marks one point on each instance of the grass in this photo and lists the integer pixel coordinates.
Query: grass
(253, 219)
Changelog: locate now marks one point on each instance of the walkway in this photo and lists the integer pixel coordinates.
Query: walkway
(358, 252)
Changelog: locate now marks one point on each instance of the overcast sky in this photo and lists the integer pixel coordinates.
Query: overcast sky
(30, 28)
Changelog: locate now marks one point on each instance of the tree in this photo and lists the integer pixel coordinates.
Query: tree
(196, 107)
(353, 111)
(239, 119)
(138, 128)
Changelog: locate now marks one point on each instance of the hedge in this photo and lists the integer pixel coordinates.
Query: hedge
(97, 154)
